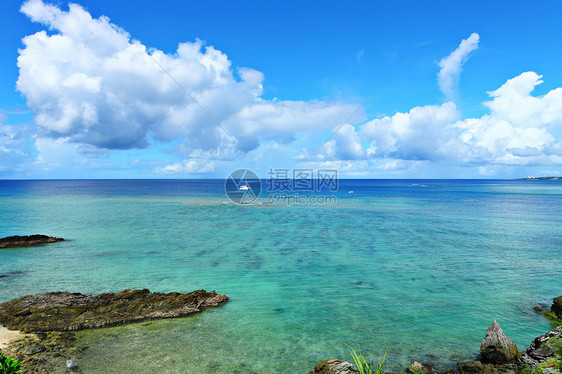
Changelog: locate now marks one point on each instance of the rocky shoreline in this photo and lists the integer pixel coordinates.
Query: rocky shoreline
(64, 311)
(499, 355)
(51, 318)
(27, 241)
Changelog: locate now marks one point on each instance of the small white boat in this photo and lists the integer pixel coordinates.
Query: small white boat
(245, 187)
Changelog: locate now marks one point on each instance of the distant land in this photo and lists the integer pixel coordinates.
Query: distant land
(540, 178)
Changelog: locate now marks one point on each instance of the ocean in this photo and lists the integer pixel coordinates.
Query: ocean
(417, 268)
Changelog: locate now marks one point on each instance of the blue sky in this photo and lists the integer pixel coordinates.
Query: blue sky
(88, 92)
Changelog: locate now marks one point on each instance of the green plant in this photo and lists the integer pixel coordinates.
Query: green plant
(556, 345)
(550, 315)
(553, 363)
(9, 365)
(457, 360)
(364, 366)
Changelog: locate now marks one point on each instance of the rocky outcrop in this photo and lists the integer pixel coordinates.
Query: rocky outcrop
(544, 349)
(416, 368)
(478, 367)
(334, 366)
(64, 311)
(556, 307)
(51, 352)
(499, 353)
(496, 348)
(10, 274)
(27, 241)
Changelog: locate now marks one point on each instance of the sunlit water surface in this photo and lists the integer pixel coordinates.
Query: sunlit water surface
(419, 268)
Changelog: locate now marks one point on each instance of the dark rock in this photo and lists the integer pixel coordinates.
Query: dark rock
(496, 348)
(556, 307)
(64, 311)
(506, 369)
(34, 349)
(50, 356)
(416, 367)
(474, 367)
(538, 308)
(543, 348)
(334, 366)
(11, 273)
(477, 367)
(27, 241)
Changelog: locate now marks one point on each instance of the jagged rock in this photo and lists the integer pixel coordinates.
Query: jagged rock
(556, 307)
(538, 308)
(51, 355)
(64, 311)
(27, 241)
(416, 367)
(477, 367)
(543, 348)
(507, 369)
(496, 348)
(334, 366)
(34, 349)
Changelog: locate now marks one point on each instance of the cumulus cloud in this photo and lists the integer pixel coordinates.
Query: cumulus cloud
(451, 66)
(15, 145)
(520, 129)
(420, 134)
(188, 166)
(94, 88)
(89, 82)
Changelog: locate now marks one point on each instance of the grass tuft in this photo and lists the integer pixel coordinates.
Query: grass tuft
(553, 317)
(364, 366)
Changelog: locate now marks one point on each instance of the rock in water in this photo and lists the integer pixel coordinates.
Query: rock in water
(496, 348)
(334, 366)
(546, 347)
(27, 241)
(416, 367)
(64, 311)
(556, 307)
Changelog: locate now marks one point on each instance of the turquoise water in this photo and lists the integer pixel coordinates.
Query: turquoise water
(418, 267)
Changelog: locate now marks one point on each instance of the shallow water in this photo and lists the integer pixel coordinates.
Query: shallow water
(418, 267)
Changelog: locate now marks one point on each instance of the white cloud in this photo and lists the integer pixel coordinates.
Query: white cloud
(550, 172)
(420, 134)
(188, 166)
(397, 165)
(94, 88)
(56, 153)
(15, 145)
(89, 82)
(346, 146)
(520, 129)
(451, 66)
